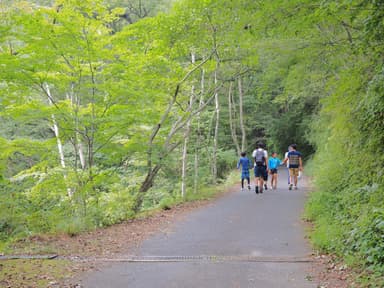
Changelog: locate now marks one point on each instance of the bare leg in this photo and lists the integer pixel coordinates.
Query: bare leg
(261, 181)
(274, 180)
(289, 177)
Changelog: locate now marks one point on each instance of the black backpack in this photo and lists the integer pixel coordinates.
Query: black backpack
(259, 157)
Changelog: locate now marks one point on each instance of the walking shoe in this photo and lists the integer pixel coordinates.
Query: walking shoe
(257, 189)
(296, 188)
(261, 189)
(249, 187)
(290, 186)
(266, 186)
(242, 189)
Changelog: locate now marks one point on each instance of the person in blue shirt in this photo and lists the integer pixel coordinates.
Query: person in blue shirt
(273, 164)
(245, 165)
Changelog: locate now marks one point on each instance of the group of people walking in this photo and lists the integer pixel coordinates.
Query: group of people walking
(264, 166)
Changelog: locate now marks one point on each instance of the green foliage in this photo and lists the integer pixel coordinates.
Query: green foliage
(226, 162)
(85, 112)
(167, 203)
(348, 209)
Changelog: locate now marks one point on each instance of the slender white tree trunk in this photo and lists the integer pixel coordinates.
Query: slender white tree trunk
(216, 136)
(80, 148)
(198, 142)
(184, 162)
(242, 128)
(78, 144)
(186, 139)
(232, 125)
(55, 129)
(59, 144)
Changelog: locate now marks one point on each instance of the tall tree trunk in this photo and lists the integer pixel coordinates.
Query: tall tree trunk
(92, 132)
(216, 136)
(80, 150)
(198, 142)
(186, 139)
(77, 142)
(242, 127)
(59, 144)
(232, 125)
(184, 162)
(217, 104)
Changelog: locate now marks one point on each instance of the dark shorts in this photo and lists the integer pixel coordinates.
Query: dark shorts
(261, 171)
(245, 174)
(274, 171)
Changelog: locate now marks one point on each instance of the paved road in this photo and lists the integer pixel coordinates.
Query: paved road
(240, 240)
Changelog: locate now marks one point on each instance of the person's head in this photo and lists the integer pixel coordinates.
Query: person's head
(260, 145)
(274, 154)
(293, 146)
(243, 154)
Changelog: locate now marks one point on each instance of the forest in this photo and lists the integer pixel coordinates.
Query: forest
(112, 108)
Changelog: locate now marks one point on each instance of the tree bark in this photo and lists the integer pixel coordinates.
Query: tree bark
(216, 136)
(243, 135)
(186, 139)
(77, 142)
(198, 142)
(232, 125)
(55, 129)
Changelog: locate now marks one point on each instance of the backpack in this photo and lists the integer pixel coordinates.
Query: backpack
(259, 157)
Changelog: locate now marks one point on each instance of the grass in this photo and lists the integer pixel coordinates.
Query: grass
(211, 191)
(33, 273)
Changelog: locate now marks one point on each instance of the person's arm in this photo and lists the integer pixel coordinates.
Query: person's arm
(300, 164)
(238, 164)
(253, 158)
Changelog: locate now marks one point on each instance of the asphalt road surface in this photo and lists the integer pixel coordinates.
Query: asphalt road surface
(243, 239)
